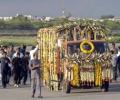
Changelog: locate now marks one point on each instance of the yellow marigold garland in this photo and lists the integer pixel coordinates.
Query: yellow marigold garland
(87, 42)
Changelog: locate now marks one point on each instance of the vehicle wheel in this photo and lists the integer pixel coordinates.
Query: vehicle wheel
(106, 86)
(68, 87)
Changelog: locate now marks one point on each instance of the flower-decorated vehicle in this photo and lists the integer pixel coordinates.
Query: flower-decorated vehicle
(75, 56)
(90, 64)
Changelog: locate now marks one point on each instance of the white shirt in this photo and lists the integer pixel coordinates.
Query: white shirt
(118, 53)
(1, 55)
(32, 52)
(15, 55)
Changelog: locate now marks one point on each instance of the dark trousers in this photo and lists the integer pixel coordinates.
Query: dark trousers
(60, 79)
(4, 79)
(24, 76)
(115, 73)
(118, 69)
(17, 77)
(29, 75)
(9, 75)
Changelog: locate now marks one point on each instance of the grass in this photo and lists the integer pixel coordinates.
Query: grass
(115, 39)
(31, 40)
(18, 40)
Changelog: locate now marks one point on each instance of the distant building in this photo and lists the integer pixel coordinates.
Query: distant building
(117, 18)
(48, 18)
(28, 16)
(72, 18)
(6, 18)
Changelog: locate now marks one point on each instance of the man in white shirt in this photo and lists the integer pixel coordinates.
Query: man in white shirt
(33, 51)
(118, 54)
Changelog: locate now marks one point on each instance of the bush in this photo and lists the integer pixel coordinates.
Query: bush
(15, 40)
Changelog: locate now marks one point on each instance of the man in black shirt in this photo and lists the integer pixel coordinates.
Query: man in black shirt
(25, 67)
(4, 68)
(17, 67)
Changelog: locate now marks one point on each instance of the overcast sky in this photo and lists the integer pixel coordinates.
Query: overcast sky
(78, 8)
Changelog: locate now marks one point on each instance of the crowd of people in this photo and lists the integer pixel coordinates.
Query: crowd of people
(115, 61)
(17, 64)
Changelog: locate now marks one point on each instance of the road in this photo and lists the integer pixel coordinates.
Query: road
(23, 93)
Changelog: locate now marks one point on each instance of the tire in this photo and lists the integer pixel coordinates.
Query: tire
(68, 88)
(105, 86)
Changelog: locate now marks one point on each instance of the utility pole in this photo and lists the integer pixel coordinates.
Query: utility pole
(65, 13)
(63, 8)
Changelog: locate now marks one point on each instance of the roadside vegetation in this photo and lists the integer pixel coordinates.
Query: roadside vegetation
(18, 40)
(14, 31)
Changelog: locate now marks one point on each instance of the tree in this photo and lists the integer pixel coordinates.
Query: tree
(107, 16)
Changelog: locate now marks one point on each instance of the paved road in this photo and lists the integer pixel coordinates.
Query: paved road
(23, 93)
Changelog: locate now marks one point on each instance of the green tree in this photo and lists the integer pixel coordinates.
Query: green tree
(107, 16)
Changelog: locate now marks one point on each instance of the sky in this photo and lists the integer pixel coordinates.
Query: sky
(78, 8)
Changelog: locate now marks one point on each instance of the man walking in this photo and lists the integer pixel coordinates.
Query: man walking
(35, 75)
(118, 60)
(4, 69)
(25, 67)
(17, 67)
(32, 52)
(114, 64)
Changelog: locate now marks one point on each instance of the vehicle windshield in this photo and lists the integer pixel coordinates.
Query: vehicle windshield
(100, 47)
